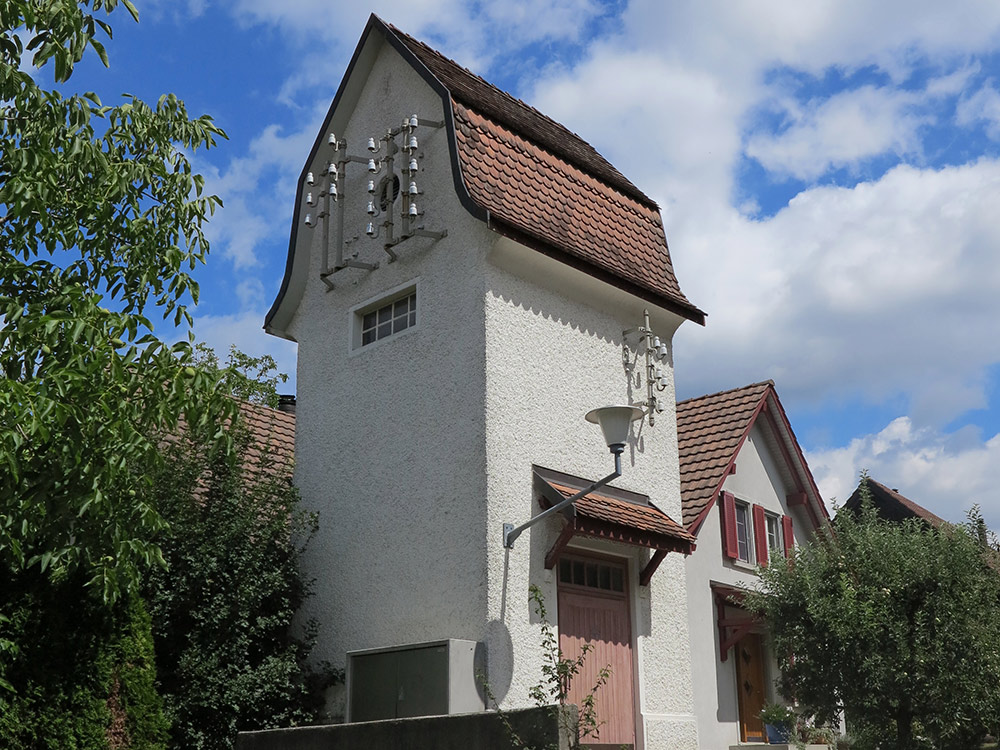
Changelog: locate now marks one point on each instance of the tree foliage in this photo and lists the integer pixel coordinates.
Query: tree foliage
(246, 378)
(101, 223)
(230, 655)
(892, 623)
(81, 672)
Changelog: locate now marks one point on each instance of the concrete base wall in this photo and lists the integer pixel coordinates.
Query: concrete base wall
(547, 727)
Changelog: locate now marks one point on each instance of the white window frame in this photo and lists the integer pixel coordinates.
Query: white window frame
(358, 312)
(775, 543)
(743, 509)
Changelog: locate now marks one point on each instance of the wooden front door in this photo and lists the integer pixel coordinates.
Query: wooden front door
(750, 686)
(593, 608)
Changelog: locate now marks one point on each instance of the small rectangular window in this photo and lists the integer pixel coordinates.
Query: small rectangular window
(382, 318)
(594, 575)
(743, 532)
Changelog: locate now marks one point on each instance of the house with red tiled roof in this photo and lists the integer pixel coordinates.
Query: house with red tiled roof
(466, 280)
(891, 505)
(747, 496)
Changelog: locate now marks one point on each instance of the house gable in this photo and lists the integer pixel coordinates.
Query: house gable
(891, 505)
(711, 431)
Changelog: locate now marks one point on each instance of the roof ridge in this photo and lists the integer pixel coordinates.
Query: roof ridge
(767, 382)
(625, 186)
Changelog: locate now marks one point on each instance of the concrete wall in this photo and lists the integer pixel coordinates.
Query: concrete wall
(758, 480)
(536, 727)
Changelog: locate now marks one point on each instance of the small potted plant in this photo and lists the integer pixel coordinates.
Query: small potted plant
(778, 723)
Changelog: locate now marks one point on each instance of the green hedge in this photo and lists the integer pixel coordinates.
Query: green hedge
(82, 673)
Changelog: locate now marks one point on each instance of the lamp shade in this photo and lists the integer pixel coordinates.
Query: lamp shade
(615, 422)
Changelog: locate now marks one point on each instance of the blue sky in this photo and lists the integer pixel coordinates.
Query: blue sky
(829, 174)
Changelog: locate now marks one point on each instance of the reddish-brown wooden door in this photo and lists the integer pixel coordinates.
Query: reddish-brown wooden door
(593, 608)
(750, 687)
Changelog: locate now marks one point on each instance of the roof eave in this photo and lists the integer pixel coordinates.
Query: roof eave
(683, 308)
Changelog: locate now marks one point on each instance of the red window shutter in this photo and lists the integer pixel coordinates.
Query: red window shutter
(786, 532)
(760, 534)
(729, 545)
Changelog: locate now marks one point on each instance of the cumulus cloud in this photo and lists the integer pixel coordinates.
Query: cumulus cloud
(888, 287)
(945, 473)
(839, 131)
(257, 190)
(982, 106)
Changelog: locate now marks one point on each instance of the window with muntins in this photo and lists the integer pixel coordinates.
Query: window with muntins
(389, 319)
(774, 541)
(592, 574)
(743, 532)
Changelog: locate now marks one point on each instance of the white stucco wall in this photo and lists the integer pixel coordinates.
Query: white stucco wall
(554, 350)
(389, 444)
(415, 450)
(757, 481)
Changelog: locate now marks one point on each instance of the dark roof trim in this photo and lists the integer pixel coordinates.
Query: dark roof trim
(520, 117)
(373, 22)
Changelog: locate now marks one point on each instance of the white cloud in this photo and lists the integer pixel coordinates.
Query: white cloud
(258, 189)
(945, 473)
(888, 287)
(840, 131)
(982, 106)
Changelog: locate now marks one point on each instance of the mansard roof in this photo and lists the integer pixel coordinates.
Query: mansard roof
(534, 181)
(546, 187)
(710, 432)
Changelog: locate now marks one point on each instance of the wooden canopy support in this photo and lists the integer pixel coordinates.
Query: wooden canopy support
(654, 562)
(732, 630)
(736, 632)
(560, 544)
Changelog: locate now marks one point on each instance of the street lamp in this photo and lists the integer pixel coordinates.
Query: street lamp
(615, 422)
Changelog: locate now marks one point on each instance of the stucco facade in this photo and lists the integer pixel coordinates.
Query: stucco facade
(416, 449)
(765, 470)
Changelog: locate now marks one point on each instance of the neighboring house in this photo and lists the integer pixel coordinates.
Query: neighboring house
(477, 287)
(890, 505)
(747, 496)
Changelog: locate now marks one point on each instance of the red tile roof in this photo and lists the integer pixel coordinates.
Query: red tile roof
(544, 186)
(648, 520)
(891, 505)
(271, 445)
(710, 429)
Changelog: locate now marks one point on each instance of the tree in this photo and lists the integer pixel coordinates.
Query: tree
(246, 378)
(892, 623)
(101, 222)
(230, 654)
(84, 670)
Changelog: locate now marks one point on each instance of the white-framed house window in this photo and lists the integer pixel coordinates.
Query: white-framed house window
(775, 543)
(744, 533)
(385, 316)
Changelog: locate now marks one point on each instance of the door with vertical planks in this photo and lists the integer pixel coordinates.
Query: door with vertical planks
(750, 686)
(593, 608)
